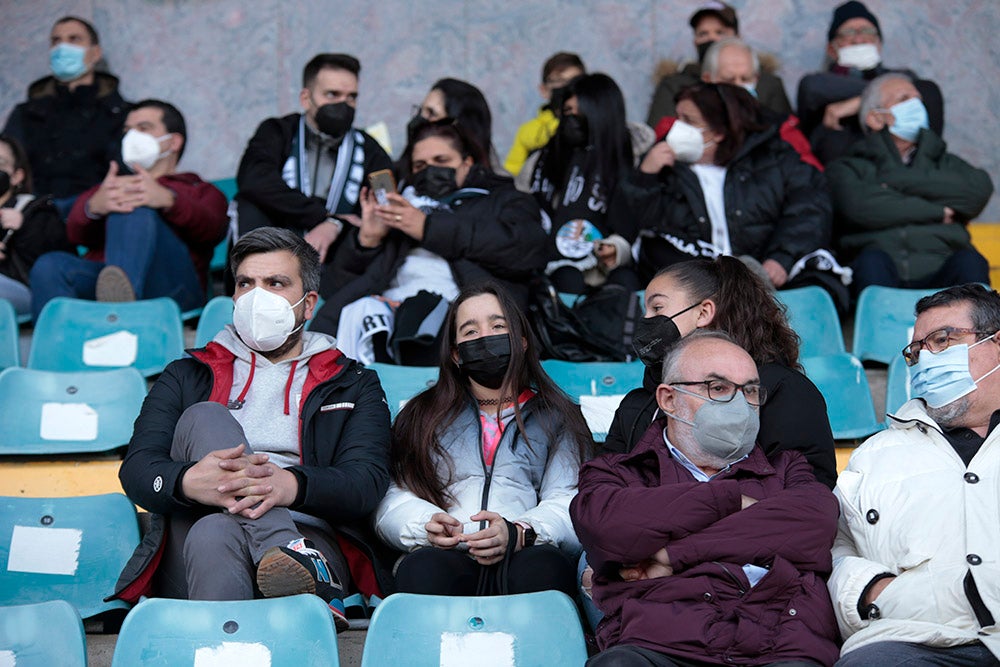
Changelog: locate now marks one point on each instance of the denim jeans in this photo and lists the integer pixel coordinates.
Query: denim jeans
(893, 654)
(142, 244)
(875, 267)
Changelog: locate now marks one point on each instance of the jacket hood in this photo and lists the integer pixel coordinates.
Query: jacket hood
(481, 177)
(312, 343)
(879, 147)
(47, 86)
(769, 64)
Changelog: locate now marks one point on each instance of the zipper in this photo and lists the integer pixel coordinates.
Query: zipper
(488, 470)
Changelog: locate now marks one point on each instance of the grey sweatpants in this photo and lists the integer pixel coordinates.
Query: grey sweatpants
(214, 556)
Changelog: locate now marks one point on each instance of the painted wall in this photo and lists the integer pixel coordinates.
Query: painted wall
(228, 64)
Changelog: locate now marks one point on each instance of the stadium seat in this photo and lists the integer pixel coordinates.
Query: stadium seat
(883, 321)
(897, 386)
(10, 351)
(842, 381)
(78, 335)
(41, 635)
(401, 383)
(598, 387)
(430, 630)
(295, 631)
(70, 549)
(221, 253)
(217, 314)
(47, 412)
(814, 318)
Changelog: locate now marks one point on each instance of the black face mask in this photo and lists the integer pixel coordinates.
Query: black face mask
(4, 182)
(703, 49)
(334, 120)
(652, 337)
(415, 124)
(435, 182)
(485, 360)
(573, 130)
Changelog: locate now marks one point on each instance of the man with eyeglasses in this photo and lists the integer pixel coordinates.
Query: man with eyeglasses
(705, 551)
(916, 577)
(828, 102)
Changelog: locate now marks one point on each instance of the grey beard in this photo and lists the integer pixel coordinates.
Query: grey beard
(948, 415)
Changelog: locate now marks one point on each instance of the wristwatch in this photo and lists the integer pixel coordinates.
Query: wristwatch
(530, 536)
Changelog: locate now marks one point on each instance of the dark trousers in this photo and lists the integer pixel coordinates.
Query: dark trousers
(898, 654)
(875, 267)
(627, 655)
(433, 571)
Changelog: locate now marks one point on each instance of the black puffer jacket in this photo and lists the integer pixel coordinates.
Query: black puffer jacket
(494, 236)
(777, 207)
(70, 136)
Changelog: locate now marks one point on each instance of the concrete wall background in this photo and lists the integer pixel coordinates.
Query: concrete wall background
(228, 64)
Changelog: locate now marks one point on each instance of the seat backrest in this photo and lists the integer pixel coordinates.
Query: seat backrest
(430, 630)
(69, 549)
(814, 318)
(842, 380)
(47, 633)
(216, 314)
(598, 386)
(401, 383)
(10, 351)
(76, 335)
(47, 412)
(897, 385)
(294, 631)
(883, 320)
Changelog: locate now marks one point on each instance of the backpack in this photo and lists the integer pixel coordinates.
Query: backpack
(597, 327)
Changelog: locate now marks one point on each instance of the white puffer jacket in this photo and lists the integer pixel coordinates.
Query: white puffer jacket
(532, 484)
(910, 507)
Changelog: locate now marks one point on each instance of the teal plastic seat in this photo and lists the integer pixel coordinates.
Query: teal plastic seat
(42, 635)
(10, 352)
(814, 318)
(883, 321)
(214, 317)
(295, 631)
(897, 386)
(597, 386)
(220, 256)
(401, 383)
(47, 412)
(78, 335)
(842, 381)
(430, 630)
(70, 549)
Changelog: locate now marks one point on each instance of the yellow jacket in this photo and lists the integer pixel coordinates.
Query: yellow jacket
(530, 137)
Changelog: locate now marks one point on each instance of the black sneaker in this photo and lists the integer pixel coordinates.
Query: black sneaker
(300, 568)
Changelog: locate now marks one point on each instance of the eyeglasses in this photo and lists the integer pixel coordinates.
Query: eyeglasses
(723, 391)
(937, 341)
(848, 33)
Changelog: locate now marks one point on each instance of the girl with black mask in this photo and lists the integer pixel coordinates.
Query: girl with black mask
(574, 177)
(485, 463)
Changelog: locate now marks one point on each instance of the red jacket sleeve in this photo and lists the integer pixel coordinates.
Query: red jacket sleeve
(199, 211)
(81, 230)
(790, 132)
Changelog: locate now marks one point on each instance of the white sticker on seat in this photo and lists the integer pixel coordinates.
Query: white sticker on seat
(233, 653)
(114, 350)
(599, 411)
(484, 649)
(68, 421)
(44, 550)
(7, 659)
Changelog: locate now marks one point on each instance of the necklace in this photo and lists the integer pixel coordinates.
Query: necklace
(493, 401)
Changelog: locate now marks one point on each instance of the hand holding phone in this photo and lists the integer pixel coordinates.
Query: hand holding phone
(382, 183)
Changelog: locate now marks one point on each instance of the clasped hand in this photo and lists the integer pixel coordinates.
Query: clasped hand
(487, 546)
(244, 484)
(124, 194)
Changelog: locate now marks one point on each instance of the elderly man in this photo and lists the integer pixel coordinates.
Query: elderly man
(828, 102)
(705, 551)
(916, 577)
(901, 200)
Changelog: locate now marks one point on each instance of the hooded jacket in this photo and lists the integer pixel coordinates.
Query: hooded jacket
(631, 505)
(910, 507)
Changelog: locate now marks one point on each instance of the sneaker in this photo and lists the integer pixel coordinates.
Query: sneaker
(113, 285)
(300, 568)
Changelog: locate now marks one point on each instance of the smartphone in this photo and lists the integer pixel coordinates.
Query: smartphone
(382, 183)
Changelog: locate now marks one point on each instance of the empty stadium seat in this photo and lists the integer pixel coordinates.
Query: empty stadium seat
(70, 549)
(598, 387)
(217, 314)
(883, 321)
(221, 253)
(295, 631)
(401, 383)
(814, 318)
(10, 351)
(897, 386)
(842, 381)
(430, 630)
(47, 412)
(42, 635)
(76, 335)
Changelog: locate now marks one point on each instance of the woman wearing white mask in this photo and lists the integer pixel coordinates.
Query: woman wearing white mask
(723, 183)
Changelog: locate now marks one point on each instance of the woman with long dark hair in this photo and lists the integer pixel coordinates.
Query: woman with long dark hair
(724, 294)
(460, 100)
(574, 177)
(485, 463)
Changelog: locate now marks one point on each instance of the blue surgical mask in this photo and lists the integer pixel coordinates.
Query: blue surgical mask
(67, 61)
(911, 117)
(943, 377)
(750, 88)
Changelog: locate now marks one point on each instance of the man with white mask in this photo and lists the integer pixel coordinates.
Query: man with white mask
(689, 532)
(149, 232)
(266, 450)
(916, 576)
(901, 201)
(71, 119)
(829, 101)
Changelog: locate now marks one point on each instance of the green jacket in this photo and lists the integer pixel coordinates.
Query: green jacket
(880, 202)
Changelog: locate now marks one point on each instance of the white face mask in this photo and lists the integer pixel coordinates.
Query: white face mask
(859, 56)
(686, 142)
(142, 150)
(264, 320)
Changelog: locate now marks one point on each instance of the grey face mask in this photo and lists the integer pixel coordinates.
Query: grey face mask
(724, 430)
